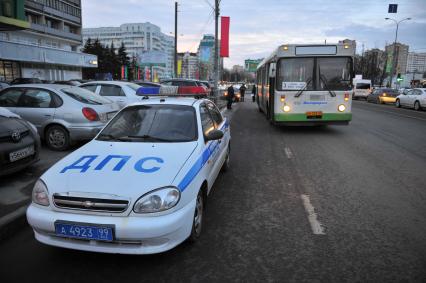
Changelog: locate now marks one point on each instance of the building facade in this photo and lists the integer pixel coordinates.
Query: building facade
(416, 62)
(188, 66)
(40, 39)
(206, 57)
(144, 41)
(401, 56)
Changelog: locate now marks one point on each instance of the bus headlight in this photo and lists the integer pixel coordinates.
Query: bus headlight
(341, 108)
(286, 108)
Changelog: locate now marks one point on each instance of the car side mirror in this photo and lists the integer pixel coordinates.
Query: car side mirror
(214, 135)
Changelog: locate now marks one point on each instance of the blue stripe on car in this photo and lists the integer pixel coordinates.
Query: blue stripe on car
(201, 161)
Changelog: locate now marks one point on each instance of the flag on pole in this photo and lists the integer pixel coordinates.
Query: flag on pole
(224, 36)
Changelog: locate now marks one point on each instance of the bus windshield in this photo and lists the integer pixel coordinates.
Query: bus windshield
(331, 73)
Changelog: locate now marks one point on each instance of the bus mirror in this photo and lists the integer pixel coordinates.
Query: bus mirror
(272, 70)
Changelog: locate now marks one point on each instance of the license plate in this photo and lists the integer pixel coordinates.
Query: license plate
(22, 153)
(110, 115)
(84, 231)
(314, 115)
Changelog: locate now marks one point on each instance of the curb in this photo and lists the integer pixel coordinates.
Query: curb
(12, 222)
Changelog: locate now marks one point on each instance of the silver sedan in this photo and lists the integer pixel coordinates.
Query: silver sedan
(61, 113)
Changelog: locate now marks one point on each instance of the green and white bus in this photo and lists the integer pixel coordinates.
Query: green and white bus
(307, 84)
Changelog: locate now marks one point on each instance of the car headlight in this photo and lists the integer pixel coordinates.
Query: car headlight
(157, 200)
(40, 193)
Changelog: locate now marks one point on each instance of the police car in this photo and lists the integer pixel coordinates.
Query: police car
(140, 186)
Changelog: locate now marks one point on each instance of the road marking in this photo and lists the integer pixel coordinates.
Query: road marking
(316, 226)
(288, 152)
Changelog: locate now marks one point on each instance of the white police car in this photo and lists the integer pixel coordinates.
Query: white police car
(140, 186)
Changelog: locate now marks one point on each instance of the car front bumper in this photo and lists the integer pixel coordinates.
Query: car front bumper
(132, 234)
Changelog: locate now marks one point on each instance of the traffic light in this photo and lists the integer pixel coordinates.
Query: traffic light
(398, 78)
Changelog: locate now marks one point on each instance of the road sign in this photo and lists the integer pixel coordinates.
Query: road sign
(393, 8)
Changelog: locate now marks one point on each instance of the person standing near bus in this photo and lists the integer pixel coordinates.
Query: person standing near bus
(230, 97)
(253, 93)
(242, 92)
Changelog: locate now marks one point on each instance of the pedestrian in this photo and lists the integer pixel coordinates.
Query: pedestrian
(253, 93)
(230, 97)
(242, 92)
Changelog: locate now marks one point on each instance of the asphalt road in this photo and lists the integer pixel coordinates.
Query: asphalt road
(306, 204)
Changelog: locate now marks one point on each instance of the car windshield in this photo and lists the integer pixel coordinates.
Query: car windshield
(152, 123)
(362, 86)
(84, 96)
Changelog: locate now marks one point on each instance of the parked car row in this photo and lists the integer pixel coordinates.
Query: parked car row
(62, 114)
(411, 98)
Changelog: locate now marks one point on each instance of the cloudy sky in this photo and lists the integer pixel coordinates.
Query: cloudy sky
(258, 26)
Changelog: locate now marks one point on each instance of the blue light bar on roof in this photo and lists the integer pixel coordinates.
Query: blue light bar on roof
(148, 90)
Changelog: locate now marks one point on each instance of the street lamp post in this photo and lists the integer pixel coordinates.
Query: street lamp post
(395, 61)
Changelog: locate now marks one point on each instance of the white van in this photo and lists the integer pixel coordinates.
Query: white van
(362, 88)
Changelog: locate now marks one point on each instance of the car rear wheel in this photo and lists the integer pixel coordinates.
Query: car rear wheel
(197, 223)
(397, 103)
(57, 138)
(417, 106)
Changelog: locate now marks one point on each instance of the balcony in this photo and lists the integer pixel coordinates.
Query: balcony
(56, 32)
(24, 52)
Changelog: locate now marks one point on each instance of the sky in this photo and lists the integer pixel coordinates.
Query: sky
(259, 26)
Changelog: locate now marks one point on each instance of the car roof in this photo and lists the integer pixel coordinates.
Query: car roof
(121, 83)
(188, 101)
(46, 86)
(177, 79)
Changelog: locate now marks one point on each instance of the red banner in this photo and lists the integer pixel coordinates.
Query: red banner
(224, 36)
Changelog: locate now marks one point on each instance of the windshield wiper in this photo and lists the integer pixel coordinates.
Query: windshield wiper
(148, 137)
(109, 137)
(300, 91)
(324, 80)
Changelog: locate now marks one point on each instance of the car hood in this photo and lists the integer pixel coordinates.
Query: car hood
(124, 169)
(10, 125)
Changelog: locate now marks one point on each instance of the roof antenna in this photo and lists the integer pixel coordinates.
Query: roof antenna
(325, 41)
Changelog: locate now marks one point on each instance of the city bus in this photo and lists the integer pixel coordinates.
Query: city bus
(307, 84)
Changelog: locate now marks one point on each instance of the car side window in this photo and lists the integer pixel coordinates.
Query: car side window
(217, 117)
(417, 92)
(91, 88)
(10, 97)
(36, 98)
(166, 83)
(206, 120)
(111, 90)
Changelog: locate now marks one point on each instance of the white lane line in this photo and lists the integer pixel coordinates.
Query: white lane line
(316, 226)
(288, 152)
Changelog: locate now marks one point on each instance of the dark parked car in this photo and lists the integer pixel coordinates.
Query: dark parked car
(19, 143)
(3, 85)
(20, 81)
(383, 95)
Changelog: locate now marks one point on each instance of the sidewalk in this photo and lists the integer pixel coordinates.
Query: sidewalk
(16, 189)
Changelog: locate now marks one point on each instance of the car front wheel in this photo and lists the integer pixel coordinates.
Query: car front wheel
(417, 106)
(197, 223)
(57, 138)
(397, 103)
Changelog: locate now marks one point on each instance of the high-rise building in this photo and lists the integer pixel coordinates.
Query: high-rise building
(145, 41)
(401, 56)
(416, 62)
(188, 66)
(206, 57)
(40, 39)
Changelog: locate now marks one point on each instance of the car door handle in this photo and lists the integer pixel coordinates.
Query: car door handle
(47, 115)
